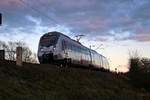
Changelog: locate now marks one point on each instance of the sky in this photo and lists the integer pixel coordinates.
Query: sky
(116, 26)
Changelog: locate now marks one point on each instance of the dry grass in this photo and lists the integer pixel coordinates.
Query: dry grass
(49, 82)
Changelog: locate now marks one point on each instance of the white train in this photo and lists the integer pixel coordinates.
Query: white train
(57, 48)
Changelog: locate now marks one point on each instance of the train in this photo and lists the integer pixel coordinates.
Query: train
(57, 48)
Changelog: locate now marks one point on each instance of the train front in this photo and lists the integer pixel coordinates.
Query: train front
(47, 46)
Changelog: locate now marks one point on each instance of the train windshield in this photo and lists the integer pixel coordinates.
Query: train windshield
(48, 40)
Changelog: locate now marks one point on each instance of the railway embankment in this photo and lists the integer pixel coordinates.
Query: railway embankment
(50, 82)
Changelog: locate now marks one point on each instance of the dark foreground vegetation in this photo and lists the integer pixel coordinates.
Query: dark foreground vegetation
(49, 82)
(139, 72)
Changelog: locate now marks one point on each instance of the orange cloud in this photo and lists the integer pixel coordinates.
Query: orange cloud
(141, 37)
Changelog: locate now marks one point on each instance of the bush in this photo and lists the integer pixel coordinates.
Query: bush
(139, 72)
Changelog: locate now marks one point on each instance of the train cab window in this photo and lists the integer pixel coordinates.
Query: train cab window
(48, 40)
(64, 45)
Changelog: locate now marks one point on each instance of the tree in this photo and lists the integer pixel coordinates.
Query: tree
(10, 49)
(139, 72)
(28, 55)
(145, 73)
(2, 45)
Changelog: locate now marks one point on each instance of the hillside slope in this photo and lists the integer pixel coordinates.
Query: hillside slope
(49, 82)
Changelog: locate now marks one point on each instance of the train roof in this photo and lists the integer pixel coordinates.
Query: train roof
(59, 33)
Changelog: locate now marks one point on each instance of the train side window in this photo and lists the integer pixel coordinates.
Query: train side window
(69, 46)
(64, 45)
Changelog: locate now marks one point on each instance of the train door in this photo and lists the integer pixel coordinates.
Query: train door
(64, 48)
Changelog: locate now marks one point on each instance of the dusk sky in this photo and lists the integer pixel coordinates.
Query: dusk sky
(120, 25)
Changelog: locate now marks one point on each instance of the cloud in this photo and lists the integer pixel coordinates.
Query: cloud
(29, 33)
(140, 37)
(102, 39)
(91, 18)
(34, 20)
(9, 3)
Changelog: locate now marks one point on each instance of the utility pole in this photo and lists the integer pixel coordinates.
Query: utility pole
(19, 56)
(2, 54)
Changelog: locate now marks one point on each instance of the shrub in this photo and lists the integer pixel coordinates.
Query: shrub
(139, 72)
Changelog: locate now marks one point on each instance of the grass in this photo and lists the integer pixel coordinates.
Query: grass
(49, 82)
